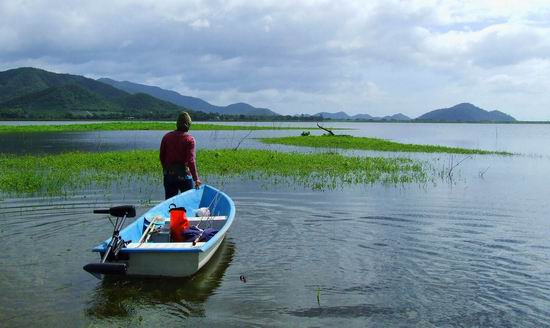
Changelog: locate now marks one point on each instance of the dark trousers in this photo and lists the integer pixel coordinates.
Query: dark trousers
(174, 183)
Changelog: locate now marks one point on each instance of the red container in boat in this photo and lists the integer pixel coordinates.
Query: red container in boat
(178, 222)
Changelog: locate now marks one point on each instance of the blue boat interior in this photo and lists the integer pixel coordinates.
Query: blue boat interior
(219, 204)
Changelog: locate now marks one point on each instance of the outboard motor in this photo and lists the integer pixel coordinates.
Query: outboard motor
(115, 245)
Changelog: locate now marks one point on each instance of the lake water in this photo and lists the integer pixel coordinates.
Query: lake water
(472, 251)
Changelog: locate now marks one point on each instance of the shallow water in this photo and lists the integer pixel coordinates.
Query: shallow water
(527, 139)
(471, 251)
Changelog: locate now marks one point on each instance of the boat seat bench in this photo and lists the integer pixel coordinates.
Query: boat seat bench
(197, 219)
(164, 245)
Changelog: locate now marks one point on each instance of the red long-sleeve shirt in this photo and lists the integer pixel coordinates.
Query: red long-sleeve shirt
(178, 147)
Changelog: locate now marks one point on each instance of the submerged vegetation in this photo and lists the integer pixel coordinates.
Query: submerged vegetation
(120, 126)
(58, 174)
(364, 143)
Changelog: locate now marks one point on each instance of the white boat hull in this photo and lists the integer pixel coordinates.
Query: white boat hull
(169, 264)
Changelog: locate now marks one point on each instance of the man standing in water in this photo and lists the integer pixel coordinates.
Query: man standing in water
(177, 156)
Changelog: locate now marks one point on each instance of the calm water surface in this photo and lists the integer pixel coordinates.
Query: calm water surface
(473, 251)
(530, 139)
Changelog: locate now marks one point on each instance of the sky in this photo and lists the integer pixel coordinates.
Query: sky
(375, 57)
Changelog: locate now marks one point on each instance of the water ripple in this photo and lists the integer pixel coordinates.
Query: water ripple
(397, 257)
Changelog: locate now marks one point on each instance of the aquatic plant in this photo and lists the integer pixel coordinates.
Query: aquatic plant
(364, 143)
(60, 173)
(318, 295)
(121, 126)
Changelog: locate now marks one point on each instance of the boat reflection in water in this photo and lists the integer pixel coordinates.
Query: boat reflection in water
(122, 297)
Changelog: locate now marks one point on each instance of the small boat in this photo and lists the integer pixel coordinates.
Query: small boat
(143, 248)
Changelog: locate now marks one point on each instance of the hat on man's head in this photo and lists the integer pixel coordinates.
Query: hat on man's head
(184, 122)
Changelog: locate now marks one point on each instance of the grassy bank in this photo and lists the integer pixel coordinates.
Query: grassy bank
(118, 126)
(57, 174)
(363, 143)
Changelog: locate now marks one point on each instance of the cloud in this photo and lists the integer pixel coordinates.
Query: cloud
(493, 46)
(378, 57)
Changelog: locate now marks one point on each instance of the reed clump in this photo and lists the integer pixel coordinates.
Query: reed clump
(60, 173)
(376, 144)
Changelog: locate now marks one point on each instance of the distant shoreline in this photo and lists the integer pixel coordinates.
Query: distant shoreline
(274, 121)
(135, 126)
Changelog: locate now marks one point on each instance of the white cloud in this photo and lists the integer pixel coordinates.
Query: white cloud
(378, 57)
(200, 24)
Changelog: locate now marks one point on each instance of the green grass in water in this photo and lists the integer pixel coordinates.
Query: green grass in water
(58, 174)
(119, 126)
(363, 143)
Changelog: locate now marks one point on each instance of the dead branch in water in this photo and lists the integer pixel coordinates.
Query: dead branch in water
(452, 167)
(243, 139)
(322, 128)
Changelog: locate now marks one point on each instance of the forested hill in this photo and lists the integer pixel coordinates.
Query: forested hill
(189, 102)
(38, 94)
(465, 112)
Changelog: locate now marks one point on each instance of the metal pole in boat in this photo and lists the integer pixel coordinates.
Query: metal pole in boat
(115, 239)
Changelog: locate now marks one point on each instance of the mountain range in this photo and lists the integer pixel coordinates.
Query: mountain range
(187, 101)
(38, 94)
(35, 93)
(363, 117)
(464, 112)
